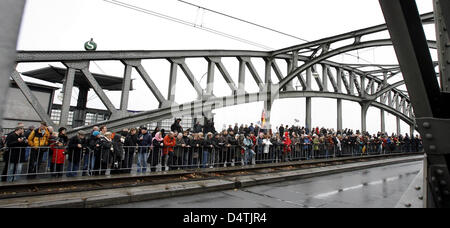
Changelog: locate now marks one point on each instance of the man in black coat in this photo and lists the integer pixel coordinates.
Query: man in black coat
(130, 147)
(176, 127)
(15, 155)
(76, 148)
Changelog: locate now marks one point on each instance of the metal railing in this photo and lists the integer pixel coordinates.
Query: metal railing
(46, 162)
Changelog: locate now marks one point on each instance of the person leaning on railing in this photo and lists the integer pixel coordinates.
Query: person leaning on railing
(169, 145)
(178, 153)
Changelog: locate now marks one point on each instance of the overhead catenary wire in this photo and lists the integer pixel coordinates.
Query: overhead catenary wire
(262, 26)
(190, 24)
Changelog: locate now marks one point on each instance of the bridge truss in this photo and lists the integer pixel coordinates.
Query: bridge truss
(426, 106)
(335, 80)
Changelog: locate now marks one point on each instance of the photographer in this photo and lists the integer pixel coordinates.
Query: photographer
(14, 155)
(77, 147)
(38, 141)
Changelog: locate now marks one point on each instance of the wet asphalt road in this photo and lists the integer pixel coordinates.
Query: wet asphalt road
(380, 187)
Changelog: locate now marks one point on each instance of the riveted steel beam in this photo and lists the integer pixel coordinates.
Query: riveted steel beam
(67, 89)
(10, 19)
(34, 102)
(430, 105)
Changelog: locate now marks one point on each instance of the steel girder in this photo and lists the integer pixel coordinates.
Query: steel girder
(357, 35)
(133, 58)
(430, 104)
(200, 106)
(10, 18)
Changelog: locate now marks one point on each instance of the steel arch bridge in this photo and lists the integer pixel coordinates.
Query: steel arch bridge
(347, 81)
(425, 107)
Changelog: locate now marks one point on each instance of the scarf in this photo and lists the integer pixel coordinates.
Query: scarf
(158, 137)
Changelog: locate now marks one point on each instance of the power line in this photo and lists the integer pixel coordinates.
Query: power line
(242, 20)
(190, 24)
(261, 26)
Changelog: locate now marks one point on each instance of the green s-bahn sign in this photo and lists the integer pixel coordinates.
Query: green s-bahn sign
(90, 45)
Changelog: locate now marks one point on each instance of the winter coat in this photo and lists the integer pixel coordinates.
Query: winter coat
(105, 150)
(207, 143)
(145, 143)
(178, 147)
(267, 144)
(131, 141)
(157, 148)
(39, 138)
(119, 152)
(169, 144)
(73, 151)
(58, 156)
(16, 151)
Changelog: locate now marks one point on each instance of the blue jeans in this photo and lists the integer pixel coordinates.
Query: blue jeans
(88, 162)
(205, 158)
(248, 156)
(72, 169)
(48, 158)
(142, 162)
(14, 170)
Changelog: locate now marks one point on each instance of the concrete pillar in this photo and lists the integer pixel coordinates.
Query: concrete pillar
(10, 18)
(383, 121)
(339, 114)
(308, 119)
(79, 115)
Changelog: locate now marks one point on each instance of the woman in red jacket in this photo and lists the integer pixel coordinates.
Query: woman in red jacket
(169, 144)
(58, 157)
(287, 146)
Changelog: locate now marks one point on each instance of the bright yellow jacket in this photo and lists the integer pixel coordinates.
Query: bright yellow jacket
(38, 140)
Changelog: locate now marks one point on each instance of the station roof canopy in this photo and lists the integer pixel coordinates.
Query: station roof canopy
(57, 75)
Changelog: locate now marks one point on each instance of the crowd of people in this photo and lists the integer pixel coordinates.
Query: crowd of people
(96, 152)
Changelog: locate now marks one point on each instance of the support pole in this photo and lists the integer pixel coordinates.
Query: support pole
(210, 79)
(398, 125)
(67, 90)
(443, 43)
(308, 119)
(79, 115)
(241, 86)
(10, 18)
(308, 79)
(172, 81)
(364, 109)
(383, 121)
(126, 88)
(339, 114)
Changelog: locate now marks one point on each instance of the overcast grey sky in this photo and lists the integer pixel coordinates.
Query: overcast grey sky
(67, 24)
